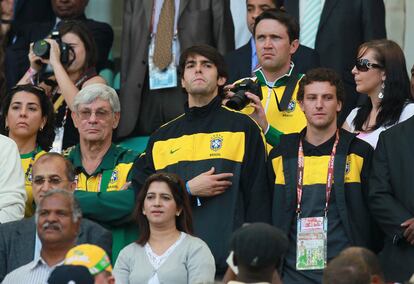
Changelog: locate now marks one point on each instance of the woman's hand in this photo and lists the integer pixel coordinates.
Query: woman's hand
(54, 54)
(35, 61)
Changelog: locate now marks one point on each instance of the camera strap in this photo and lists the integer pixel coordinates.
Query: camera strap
(290, 88)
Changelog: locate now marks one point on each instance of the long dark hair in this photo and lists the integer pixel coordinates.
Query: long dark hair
(44, 137)
(184, 221)
(397, 90)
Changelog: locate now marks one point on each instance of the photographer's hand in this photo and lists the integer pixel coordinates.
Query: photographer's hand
(258, 114)
(54, 56)
(34, 59)
(228, 93)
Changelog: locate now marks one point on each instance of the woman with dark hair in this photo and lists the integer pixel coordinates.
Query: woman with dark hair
(69, 76)
(380, 72)
(27, 118)
(165, 251)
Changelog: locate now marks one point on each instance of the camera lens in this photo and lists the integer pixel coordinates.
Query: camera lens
(239, 101)
(41, 48)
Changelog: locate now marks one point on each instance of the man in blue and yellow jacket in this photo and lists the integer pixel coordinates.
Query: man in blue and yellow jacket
(219, 152)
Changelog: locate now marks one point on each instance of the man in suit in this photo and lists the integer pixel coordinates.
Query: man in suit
(19, 243)
(16, 59)
(391, 199)
(196, 22)
(343, 26)
(243, 61)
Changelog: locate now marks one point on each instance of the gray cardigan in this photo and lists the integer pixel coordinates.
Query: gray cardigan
(190, 262)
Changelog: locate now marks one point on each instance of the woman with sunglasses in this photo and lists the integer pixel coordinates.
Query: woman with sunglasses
(165, 251)
(70, 74)
(28, 118)
(380, 72)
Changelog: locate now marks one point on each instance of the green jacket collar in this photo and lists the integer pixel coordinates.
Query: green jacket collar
(108, 161)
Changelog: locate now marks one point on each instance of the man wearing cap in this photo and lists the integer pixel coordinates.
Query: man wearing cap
(19, 243)
(258, 249)
(58, 217)
(320, 183)
(94, 259)
(102, 168)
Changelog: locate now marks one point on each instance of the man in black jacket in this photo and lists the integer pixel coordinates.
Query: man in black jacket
(219, 152)
(391, 199)
(320, 183)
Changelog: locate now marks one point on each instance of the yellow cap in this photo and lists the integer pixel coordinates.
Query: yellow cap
(91, 256)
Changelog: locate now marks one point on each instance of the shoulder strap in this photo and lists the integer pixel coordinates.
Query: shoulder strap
(290, 88)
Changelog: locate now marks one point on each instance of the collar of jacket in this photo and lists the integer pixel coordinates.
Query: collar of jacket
(201, 112)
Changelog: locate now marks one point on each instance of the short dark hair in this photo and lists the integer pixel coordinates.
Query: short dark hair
(45, 136)
(322, 75)
(184, 221)
(282, 17)
(275, 2)
(208, 52)
(80, 29)
(69, 170)
(75, 206)
(354, 265)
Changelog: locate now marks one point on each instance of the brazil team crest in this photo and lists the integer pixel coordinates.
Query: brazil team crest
(114, 176)
(347, 167)
(216, 142)
(291, 106)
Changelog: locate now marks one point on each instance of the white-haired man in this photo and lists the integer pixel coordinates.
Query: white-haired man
(102, 168)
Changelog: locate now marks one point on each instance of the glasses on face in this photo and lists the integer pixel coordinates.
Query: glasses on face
(100, 114)
(50, 180)
(364, 65)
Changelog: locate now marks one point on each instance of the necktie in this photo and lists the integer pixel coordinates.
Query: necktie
(164, 35)
(310, 24)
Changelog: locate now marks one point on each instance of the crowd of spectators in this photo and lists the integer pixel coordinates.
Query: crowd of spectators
(287, 160)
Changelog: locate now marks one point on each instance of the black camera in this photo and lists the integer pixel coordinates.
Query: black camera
(41, 48)
(239, 101)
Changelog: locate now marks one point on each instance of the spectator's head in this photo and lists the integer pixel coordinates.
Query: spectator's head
(162, 202)
(27, 115)
(58, 218)
(354, 266)
(51, 171)
(71, 274)
(258, 250)
(321, 96)
(381, 67)
(255, 8)
(96, 112)
(276, 34)
(80, 39)
(203, 72)
(95, 259)
(69, 9)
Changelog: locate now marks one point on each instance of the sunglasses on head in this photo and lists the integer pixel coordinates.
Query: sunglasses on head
(364, 65)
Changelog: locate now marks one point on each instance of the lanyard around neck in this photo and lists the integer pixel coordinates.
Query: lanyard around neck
(329, 178)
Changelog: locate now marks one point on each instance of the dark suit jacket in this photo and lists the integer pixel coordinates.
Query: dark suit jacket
(344, 25)
(239, 64)
(392, 199)
(17, 242)
(199, 22)
(16, 59)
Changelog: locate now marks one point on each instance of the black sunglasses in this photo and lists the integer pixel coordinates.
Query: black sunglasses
(364, 65)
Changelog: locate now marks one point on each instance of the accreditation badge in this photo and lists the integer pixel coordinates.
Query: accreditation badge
(162, 79)
(58, 142)
(311, 245)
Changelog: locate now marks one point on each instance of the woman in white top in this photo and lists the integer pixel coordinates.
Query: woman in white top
(165, 251)
(380, 72)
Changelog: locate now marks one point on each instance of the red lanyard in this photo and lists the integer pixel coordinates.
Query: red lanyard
(329, 178)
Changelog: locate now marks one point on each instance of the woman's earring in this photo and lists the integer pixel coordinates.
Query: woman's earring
(381, 93)
(178, 214)
(41, 128)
